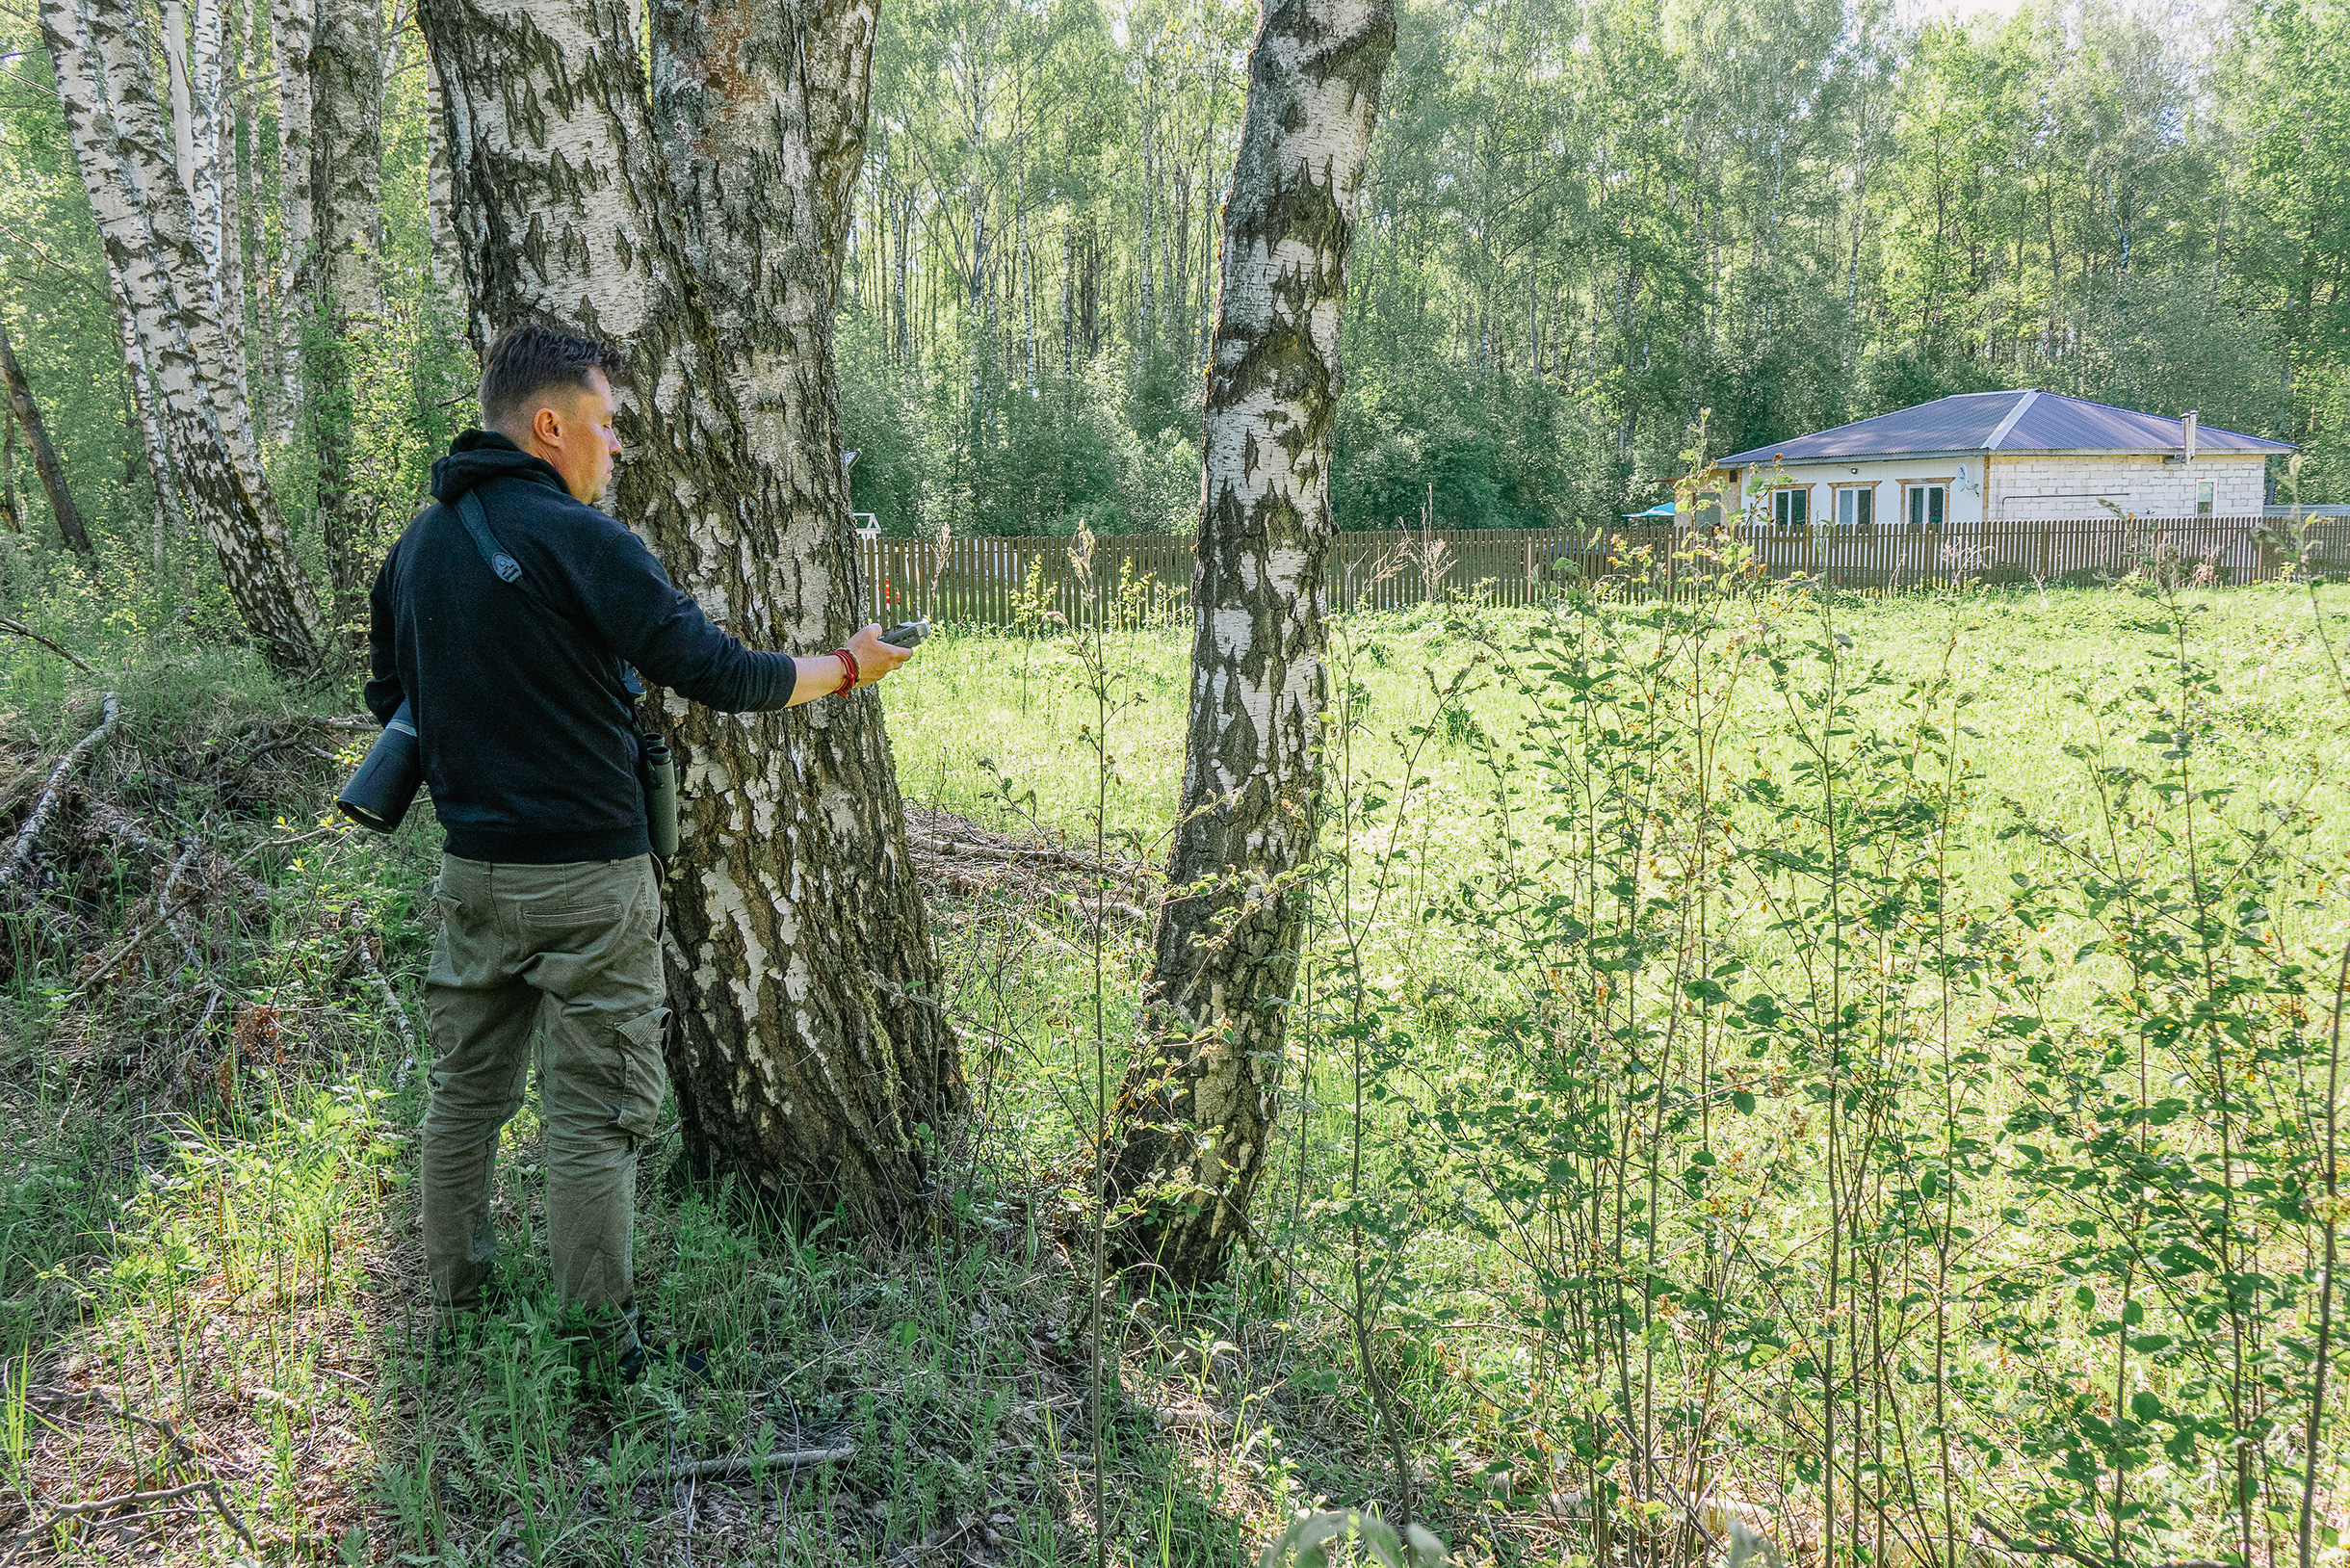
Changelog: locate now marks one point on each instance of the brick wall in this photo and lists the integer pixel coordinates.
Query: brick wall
(2058, 486)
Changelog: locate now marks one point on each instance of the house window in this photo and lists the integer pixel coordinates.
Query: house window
(1856, 509)
(2203, 498)
(1791, 508)
(1926, 502)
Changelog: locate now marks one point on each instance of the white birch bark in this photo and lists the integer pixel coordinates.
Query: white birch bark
(347, 158)
(263, 364)
(145, 216)
(448, 271)
(1196, 1110)
(208, 133)
(292, 22)
(171, 519)
(182, 93)
(346, 198)
(696, 223)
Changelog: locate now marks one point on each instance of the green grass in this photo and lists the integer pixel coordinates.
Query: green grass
(979, 707)
(220, 1227)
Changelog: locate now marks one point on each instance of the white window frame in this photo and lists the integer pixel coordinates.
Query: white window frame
(1911, 488)
(1868, 501)
(2206, 494)
(1779, 516)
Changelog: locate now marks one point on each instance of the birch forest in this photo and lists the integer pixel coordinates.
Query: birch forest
(1582, 223)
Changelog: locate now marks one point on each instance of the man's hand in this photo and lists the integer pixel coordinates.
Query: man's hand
(875, 658)
(820, 675)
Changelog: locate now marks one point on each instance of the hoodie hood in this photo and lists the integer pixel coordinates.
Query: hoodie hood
(479, 456)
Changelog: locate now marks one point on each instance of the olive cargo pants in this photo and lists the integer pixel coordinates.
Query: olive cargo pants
(577, 949)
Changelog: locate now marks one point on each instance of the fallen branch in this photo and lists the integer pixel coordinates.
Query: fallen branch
(105, 820)
(1110, 908)
(20, 852)
(127, 1500)
(391, 1001)
(110, 821)
(137, 938)
(744, 1464)
(187, 1456)
(22, 630)
(1024, 854)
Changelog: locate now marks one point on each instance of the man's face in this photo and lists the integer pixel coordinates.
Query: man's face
(574, 433)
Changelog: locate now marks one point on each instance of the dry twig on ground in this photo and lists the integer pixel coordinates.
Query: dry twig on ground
(137, 938)
(183, 1455)
(391, 1002)
(965, 857)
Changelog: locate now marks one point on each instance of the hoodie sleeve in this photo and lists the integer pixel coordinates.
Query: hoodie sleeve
(383, 693)
(666, 636)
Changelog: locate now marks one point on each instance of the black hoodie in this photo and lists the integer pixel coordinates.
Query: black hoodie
(518, 692)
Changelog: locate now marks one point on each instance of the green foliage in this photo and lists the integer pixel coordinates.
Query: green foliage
(1585, 221)
(1726, 1023)
(1310, 1540)
(412, 374)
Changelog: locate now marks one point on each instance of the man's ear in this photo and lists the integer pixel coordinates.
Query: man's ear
(548, 426)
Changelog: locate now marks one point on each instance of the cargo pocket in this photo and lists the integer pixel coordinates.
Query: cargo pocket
(642, 1080)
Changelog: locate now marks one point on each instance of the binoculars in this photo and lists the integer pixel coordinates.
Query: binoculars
(379, 793)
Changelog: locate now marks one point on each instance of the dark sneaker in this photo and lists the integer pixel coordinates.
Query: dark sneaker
(638, 1360)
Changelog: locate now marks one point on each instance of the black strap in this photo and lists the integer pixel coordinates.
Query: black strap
(509, 570)
(477, 523)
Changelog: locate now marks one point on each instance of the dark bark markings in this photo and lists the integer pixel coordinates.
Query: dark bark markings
(346, 185)
(1195, 1113)
(105, 77)
(807, 1054)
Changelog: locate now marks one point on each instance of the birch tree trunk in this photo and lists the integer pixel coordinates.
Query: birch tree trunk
(346, 195)
(292, 24)
(448, 271)
(146, 217)
(1197, 1109)
(171, 516)
(697, 224)
(45, 461)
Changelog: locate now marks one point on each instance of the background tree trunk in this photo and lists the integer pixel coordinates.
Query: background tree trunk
(346, 194)
(169, 517)
(45, 463)
(146, 217)
(448, 269)
(698, 226)
(8, 518)
(292, 26)
(1197, 1109)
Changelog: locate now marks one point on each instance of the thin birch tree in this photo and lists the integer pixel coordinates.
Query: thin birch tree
(1196, 1110)
(346, 300)
(293, 24)
(139, 166)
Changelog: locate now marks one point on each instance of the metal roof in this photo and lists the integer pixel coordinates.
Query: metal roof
(2020, 420)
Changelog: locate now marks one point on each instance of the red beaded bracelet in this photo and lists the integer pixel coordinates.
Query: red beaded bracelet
(848, 664)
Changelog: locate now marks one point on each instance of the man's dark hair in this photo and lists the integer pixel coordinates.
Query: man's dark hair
(528, 360)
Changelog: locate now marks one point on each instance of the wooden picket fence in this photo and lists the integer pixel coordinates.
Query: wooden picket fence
(1137, 579)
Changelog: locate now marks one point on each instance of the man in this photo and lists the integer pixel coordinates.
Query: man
(548, 901)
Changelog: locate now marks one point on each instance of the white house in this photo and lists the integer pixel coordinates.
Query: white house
(1951, 465)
